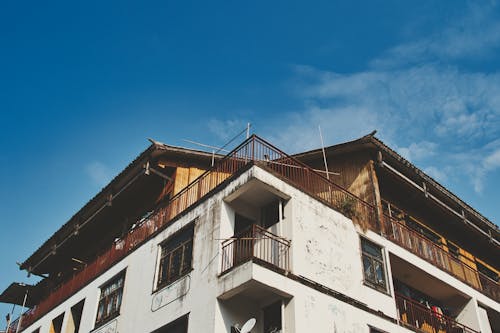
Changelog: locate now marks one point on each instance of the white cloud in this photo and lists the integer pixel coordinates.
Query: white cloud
(441, 117)
(226, 129)
(474, 35)
(429, 113)
(98, 173)
(492, 161)
(299, 131)
(489, 162)
(438, 174)
(418, 151)
(421, 102)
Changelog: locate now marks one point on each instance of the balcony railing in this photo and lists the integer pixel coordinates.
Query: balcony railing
(433, 253)
(416, 315)
(256, 244)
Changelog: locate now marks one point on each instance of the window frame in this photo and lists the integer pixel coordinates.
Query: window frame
(160, 283)
(100, 321)
(382, 261)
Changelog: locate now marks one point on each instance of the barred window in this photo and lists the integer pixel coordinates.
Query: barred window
(110, 299)
(176, 256)
(373, 265)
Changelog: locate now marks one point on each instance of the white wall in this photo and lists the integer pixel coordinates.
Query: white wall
(325, 248)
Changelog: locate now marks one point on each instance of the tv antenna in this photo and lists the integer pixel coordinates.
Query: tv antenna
(247, 327)
(216, 150)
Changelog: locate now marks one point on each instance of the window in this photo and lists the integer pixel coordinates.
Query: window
(176, 256)
(75, 318)
(110, 300)
(177, 326)
(56, 324)
(373, 265)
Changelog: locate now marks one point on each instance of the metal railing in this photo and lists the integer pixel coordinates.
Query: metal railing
(305, 178)
(419, 316)
(436, 255)
(256, 243)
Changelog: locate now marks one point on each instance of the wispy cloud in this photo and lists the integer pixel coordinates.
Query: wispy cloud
(418, 151)
(98, 173)
(474, 35)
(226, 129)
(424, 104)
(424, 101)
(422, 111)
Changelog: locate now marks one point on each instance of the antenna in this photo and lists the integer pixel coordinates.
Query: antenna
(216, 150)
(247, 327)
(324, 155)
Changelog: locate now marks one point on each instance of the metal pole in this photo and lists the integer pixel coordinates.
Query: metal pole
(324, 155)
(22, 310)
(9, 317)
(248, 130)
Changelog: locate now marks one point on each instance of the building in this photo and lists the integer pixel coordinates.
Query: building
(174, 244)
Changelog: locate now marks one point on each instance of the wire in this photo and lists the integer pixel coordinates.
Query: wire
(234, 138)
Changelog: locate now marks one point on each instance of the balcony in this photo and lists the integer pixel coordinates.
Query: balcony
(433, 253)
(258, 245)
(416, 315)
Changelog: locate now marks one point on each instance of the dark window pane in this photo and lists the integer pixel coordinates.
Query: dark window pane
(176, 256)
(379, 273)
(373, 265)
(110, 299)
(368, 268)
(370, 248)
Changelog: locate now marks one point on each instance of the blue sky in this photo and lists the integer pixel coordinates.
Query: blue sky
(82, 85)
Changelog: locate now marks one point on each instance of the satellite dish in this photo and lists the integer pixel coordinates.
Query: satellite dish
(247, 327)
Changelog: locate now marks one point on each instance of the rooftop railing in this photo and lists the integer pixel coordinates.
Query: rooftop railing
(416, 315)
(256, 244)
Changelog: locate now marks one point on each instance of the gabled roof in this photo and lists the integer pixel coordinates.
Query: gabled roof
(371, 143)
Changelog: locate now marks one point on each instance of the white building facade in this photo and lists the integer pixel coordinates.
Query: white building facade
(247, 240)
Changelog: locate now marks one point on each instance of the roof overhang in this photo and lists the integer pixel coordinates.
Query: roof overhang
(16, 293)
(156, 153)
